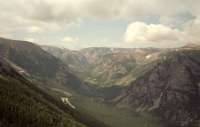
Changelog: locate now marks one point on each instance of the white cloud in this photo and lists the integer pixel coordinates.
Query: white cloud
(68, 11)
(161, 35)
(141, 32)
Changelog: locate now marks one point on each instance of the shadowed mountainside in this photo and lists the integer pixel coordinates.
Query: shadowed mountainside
(170, 90)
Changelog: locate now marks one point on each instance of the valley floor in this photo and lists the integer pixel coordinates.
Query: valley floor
(112, 116)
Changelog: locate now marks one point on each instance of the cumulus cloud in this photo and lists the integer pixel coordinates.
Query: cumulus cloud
(158, 34)
(142, 32)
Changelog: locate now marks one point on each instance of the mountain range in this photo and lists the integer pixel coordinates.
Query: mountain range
(164, 82)
(105, 67)
(49, 86)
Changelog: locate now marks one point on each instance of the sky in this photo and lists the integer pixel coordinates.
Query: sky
(76, 24)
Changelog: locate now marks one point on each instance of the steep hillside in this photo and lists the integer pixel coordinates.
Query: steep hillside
(22, 104)
(30, 57)
(170, 90)
(40, 65)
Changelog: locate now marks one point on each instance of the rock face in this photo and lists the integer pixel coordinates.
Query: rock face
(171, 90)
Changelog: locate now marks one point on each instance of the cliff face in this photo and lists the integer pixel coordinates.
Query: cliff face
(170, 90)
